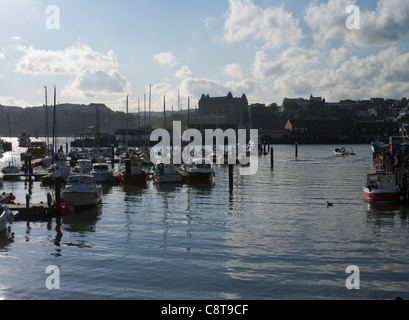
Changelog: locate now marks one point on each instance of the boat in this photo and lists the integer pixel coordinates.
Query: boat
(344, 152)
(5, 216)
(381, 187)
(11, 169)
(163, 173)
(60, 169)
(24, 139)
(199, 170)
(101, 171)
(36, 149)
(133, 171)
(83, 166)
(81, 191)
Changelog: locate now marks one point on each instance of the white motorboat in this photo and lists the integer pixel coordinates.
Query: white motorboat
(344, 152)
(5, 216)
(81, 190)
(102, 172)
(84, 166)
(381, 187)
(163, 173)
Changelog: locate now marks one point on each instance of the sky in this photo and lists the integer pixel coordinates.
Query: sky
(100, 51)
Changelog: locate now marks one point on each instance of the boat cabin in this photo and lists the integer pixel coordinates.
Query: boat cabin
(381, 179)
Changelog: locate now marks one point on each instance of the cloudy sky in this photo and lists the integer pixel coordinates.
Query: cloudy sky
(102, 50)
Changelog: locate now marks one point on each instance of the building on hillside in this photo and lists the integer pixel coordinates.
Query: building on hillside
(368, 131)
(220, 112)
(322, 130)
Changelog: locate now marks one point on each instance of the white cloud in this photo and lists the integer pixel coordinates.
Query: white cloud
(195, 87)
(92, 83)
(385, 26)
(273, 26)
(183, 72)
(69, 61)
(233, 70)
(291, 60)
(294, 85)
(339, 55)
(13, 102)
(166, 58)
(328, 20)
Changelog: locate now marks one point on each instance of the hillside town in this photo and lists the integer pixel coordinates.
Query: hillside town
(303, 120)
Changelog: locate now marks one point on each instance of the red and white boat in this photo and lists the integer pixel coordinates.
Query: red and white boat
(381, 187)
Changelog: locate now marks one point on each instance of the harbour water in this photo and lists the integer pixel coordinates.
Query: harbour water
(272, 237)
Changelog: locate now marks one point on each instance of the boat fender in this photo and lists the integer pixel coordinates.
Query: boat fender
(67, 210)
(96, 196)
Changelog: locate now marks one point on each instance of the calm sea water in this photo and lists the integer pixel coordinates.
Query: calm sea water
(272, 237)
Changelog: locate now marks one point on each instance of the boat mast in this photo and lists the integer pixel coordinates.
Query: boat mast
(46, 118)
(53, 152)
(126, 133)
(150, 100)
(164, 112)
(188, 111)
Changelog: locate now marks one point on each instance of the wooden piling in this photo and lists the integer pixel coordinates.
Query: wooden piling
(272, 157)
(58, 192)
(296, 149)
(231, 177)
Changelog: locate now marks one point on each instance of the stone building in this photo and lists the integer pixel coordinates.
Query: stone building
(221, 112)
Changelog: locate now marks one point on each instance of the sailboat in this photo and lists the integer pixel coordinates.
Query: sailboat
(11, 168)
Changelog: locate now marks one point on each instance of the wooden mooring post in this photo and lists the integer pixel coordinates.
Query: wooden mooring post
(296, 150)
(272, 157)
(231, 177)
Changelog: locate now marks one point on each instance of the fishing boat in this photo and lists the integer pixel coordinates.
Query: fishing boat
(199, 170)
(24, 139)
(133, 171)
(81, 191)
(163, 173)
(5, 216)
(83, 166)
(344, 152)
(101, 171)
(381, 187)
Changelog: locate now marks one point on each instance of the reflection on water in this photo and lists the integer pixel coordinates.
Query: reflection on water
(270, 236)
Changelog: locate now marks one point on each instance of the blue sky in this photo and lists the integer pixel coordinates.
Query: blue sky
(104, 50)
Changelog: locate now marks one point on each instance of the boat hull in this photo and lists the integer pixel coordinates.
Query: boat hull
(167, 178)
(200, 176)
(102, 177)
(81, 199)
(134, 178)
(381, 196)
